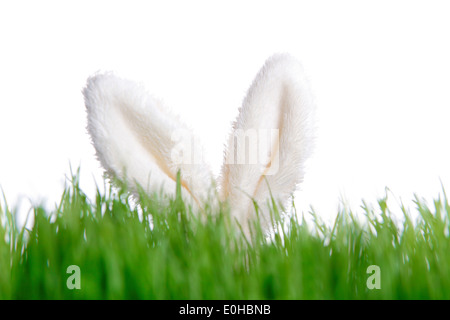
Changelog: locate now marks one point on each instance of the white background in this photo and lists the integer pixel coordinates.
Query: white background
(380, 72)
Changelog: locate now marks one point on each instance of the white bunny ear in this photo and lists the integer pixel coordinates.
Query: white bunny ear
(137, 139)
(270, 141)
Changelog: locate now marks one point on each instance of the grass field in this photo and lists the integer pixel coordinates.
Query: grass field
(160, 250)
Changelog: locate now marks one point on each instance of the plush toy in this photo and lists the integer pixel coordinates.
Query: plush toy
(139, 141)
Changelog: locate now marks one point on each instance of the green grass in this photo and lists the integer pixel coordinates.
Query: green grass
(159, 249)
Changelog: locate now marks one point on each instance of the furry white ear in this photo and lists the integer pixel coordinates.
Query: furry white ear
(270, 140)
(137, 140)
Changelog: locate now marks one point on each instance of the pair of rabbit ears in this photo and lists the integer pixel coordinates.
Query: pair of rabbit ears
(138, 140)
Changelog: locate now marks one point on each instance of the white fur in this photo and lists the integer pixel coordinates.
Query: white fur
(279, 98)
(133, 135)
